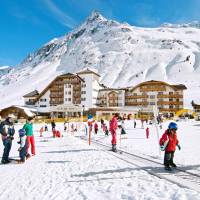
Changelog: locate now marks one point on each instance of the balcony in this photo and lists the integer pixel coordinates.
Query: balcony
(152, 89)
(178, 96)
(144, 103)
(137, 97)
(169, 103)
(29, 103)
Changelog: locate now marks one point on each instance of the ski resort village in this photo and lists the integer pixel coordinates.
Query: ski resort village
(107, 111)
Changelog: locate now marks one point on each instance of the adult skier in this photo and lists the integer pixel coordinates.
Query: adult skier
(168, 143)
(28, 127)
(7, 132)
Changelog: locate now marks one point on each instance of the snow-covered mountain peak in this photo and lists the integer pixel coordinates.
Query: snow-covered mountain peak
(95, 16)
(122, 54)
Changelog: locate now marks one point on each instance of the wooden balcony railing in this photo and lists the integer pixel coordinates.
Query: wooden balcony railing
(169, 96)
(169, 103)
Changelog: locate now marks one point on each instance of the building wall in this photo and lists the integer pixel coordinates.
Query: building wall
(44, 101)
(164, 97)
(68, 93)
(89, 90)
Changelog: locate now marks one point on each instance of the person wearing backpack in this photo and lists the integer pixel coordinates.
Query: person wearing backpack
(7, 132)
(168, 143)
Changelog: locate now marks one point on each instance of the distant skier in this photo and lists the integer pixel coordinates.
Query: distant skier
(96, 128)
(7, 132)
(45, 127)
(147, 132)
(113, 128)
(102, 122)
(168, 143)
(134, 124)
(123, 132)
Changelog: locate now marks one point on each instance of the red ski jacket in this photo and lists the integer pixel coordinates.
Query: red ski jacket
(113, 124)
(173, 141)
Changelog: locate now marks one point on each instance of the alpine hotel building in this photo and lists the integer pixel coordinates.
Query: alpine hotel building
(69, 93)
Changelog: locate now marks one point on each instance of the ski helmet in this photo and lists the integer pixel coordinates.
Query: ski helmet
(172, 125)
(21, 132)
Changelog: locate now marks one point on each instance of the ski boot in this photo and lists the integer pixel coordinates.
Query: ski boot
(114, 149)
(168, 168)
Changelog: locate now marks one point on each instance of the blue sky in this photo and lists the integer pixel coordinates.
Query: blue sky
(25, 25)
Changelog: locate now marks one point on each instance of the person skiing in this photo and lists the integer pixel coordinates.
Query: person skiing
(45, 127)
(113, 128)
(7, 132)
(23, 145)
(28, 127)
(95, 127)
(123, 132)
(147, 132)
(168, 143)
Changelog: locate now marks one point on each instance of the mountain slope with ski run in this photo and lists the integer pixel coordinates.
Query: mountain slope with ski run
(122, 54)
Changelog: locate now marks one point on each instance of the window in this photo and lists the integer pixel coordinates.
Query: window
(151, 103)
(69, 99)
(69, 86)
(160, 93)
(69, 92)
(171, 107)
(152, 96)
(170, 99)
(65, 99)
(170, 93)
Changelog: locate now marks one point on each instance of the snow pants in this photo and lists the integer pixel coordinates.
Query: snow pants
(22, 153)
(168, 158)
(114, 136)
(7, 147)
(30, 141)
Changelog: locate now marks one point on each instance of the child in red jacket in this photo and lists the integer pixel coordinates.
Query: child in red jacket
(168, 143)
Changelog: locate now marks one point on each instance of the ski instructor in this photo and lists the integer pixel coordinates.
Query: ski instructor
(7, 132)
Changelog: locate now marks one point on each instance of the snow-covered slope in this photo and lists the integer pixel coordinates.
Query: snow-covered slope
(5, 70)
(124, 55)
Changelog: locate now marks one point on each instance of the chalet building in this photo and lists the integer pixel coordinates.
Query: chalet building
(68, 93)
(110, 97)
(196, 109)
(167, 98)
(30, 98)
(82, 91)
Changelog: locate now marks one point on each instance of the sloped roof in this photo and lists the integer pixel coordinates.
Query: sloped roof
(34, 93)
(180, 87)
(154, 82)
(49, 85)
(88, 71)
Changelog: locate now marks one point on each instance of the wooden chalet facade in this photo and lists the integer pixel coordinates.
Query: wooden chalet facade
(110, 97)
(167, 98)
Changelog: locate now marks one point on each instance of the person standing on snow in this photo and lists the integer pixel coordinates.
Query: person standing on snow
(7, 132)
(23, 144)
(28, 127)
(113, 128)
(168, 143)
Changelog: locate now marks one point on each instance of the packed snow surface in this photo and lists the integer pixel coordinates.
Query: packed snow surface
(68, 168)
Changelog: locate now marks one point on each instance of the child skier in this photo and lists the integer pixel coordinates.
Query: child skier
(168, 143)
(95, 127)
(23, 145)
